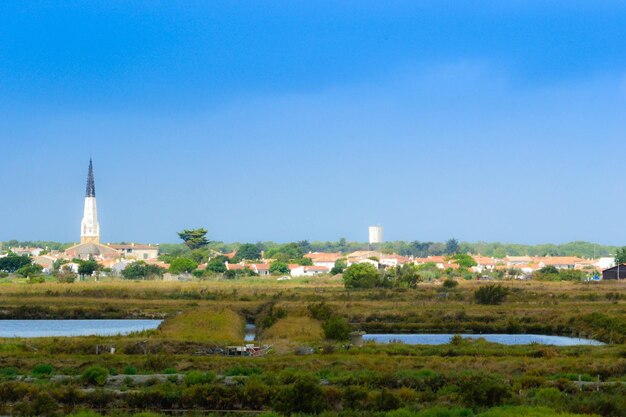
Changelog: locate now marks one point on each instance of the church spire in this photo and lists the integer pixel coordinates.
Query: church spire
(89, 227)
(91, 186)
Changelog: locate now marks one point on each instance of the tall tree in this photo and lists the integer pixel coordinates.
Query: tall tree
(88, 267)
(249, 252)
(194, 238)
(620, 256)
(452, 247)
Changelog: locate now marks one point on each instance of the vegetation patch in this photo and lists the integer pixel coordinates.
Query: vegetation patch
(222, 326)
(294, 329)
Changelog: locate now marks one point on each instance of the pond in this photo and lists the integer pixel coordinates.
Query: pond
(505, 339)
(51, 328)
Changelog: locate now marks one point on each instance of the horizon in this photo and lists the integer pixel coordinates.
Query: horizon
(312, 122)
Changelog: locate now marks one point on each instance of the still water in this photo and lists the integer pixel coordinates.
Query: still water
(505, 339)
(49, 328)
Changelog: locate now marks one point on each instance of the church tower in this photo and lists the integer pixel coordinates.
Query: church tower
(89, 226)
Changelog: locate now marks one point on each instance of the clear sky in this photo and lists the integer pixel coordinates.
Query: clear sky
(292, 120)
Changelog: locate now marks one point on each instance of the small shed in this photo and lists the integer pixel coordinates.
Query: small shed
(617, 272)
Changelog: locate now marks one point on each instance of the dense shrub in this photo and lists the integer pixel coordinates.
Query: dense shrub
(337, 328)
(364, 275)
(450, 283)
(483, 390)
(197, 377)
(320, 311)
(240, 370)
(43, 369)
(304, 395)
(491, 294)
(95, 375)
(8, 373)
(385, 401)
(255, 394)
(130, 370)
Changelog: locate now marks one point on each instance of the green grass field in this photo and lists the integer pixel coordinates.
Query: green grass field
(468, 378)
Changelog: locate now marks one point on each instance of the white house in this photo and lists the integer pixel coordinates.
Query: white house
(307, 270)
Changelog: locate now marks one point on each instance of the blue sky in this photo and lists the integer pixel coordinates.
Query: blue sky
(312, 120)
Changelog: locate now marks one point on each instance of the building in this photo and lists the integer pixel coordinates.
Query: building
(305, 270)
(324, 259)
(27, 251)
(617, 272)
(375, 234)
(563, 262)
(136, 251)
(89, 246)
(89, 226)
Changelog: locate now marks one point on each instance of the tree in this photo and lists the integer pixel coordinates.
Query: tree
(12, 262)
(340, 265)
(363, 275)
(199, 255)
(248, 251)
(464, 260)
(620, 256)
(304, 261)
(194, 238)
(305, 246)
(180, 265)
(87, 267)
(141, 270)
(452, 247)
(408, 275)
(278, 267)
(29, 270)
(285, 253)
(217, 264)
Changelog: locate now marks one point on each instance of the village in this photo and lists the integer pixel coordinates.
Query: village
(114, 258)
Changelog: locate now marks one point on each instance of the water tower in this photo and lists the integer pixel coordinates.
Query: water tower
(376, 234)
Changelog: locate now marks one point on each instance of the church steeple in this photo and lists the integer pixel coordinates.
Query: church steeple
(89, 227)
(91, 185)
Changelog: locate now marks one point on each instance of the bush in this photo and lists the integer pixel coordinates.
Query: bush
(197, 377)
(491, 294)
(43, 369)
(337, 328)
(239, 370)
(95, 375)
(8, 373)
(130, 370)
(255, 393)
(450, 283)
(278, 267)
(320, 311)
(363, 275)
(386, 400)
(483, 391)
(304, 395)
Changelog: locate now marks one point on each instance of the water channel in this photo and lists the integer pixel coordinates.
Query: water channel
(65, 328)
(505, 339)
(52, 328)
(250, 333)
